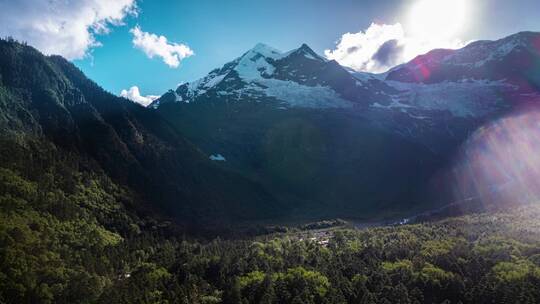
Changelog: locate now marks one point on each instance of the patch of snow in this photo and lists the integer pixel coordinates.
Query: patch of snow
(212, 82)
(297, 95)
(469, 98)
(217, 157)
(177, 97)
(203, 85)
(499, 52)
(304, 52)
(394, 104)
(266, 51)
(254, 68)
(417, 116)
(224, 93)
(309, 56)
(256, 62)
(479, 53)
(363, 76)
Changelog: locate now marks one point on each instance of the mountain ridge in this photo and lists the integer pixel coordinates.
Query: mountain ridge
(295, 123)
(483, 59)
(265, 71)
(326, 84)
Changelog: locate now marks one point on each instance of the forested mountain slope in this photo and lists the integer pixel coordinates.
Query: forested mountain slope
(48, 101)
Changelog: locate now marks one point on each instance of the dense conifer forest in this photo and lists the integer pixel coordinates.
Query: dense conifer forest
(66, 236)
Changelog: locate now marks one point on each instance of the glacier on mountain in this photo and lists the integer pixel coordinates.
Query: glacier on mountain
(468, 98)
(301, 78)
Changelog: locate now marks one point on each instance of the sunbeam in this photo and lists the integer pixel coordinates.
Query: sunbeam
(500, 164)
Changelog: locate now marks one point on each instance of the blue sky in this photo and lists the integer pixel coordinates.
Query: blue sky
(220, 30)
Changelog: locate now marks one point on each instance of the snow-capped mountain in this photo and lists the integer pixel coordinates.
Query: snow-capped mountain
(421, 97)
(478, 78)
(321, 136)
(482, 78)
(298, 78)
(509, 59)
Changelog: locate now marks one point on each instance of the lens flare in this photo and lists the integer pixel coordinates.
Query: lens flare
(499, 164)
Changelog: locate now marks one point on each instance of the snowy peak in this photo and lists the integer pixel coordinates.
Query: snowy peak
(482, 52)
(263, 50)
(257, 62)
(306, 52)
(298, 78)
(304, 47)
(262, 60)
(505, 58)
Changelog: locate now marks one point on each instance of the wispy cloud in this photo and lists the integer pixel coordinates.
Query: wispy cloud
(134, 94)
(381, 47)
(66, 28)
(153, 45)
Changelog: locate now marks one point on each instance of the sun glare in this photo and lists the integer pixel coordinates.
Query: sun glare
(437, 19)
(499, 162)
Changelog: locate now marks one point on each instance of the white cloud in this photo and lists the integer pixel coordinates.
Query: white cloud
(135, 95)
(381, 47)
(153, 45)
(66, 28)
